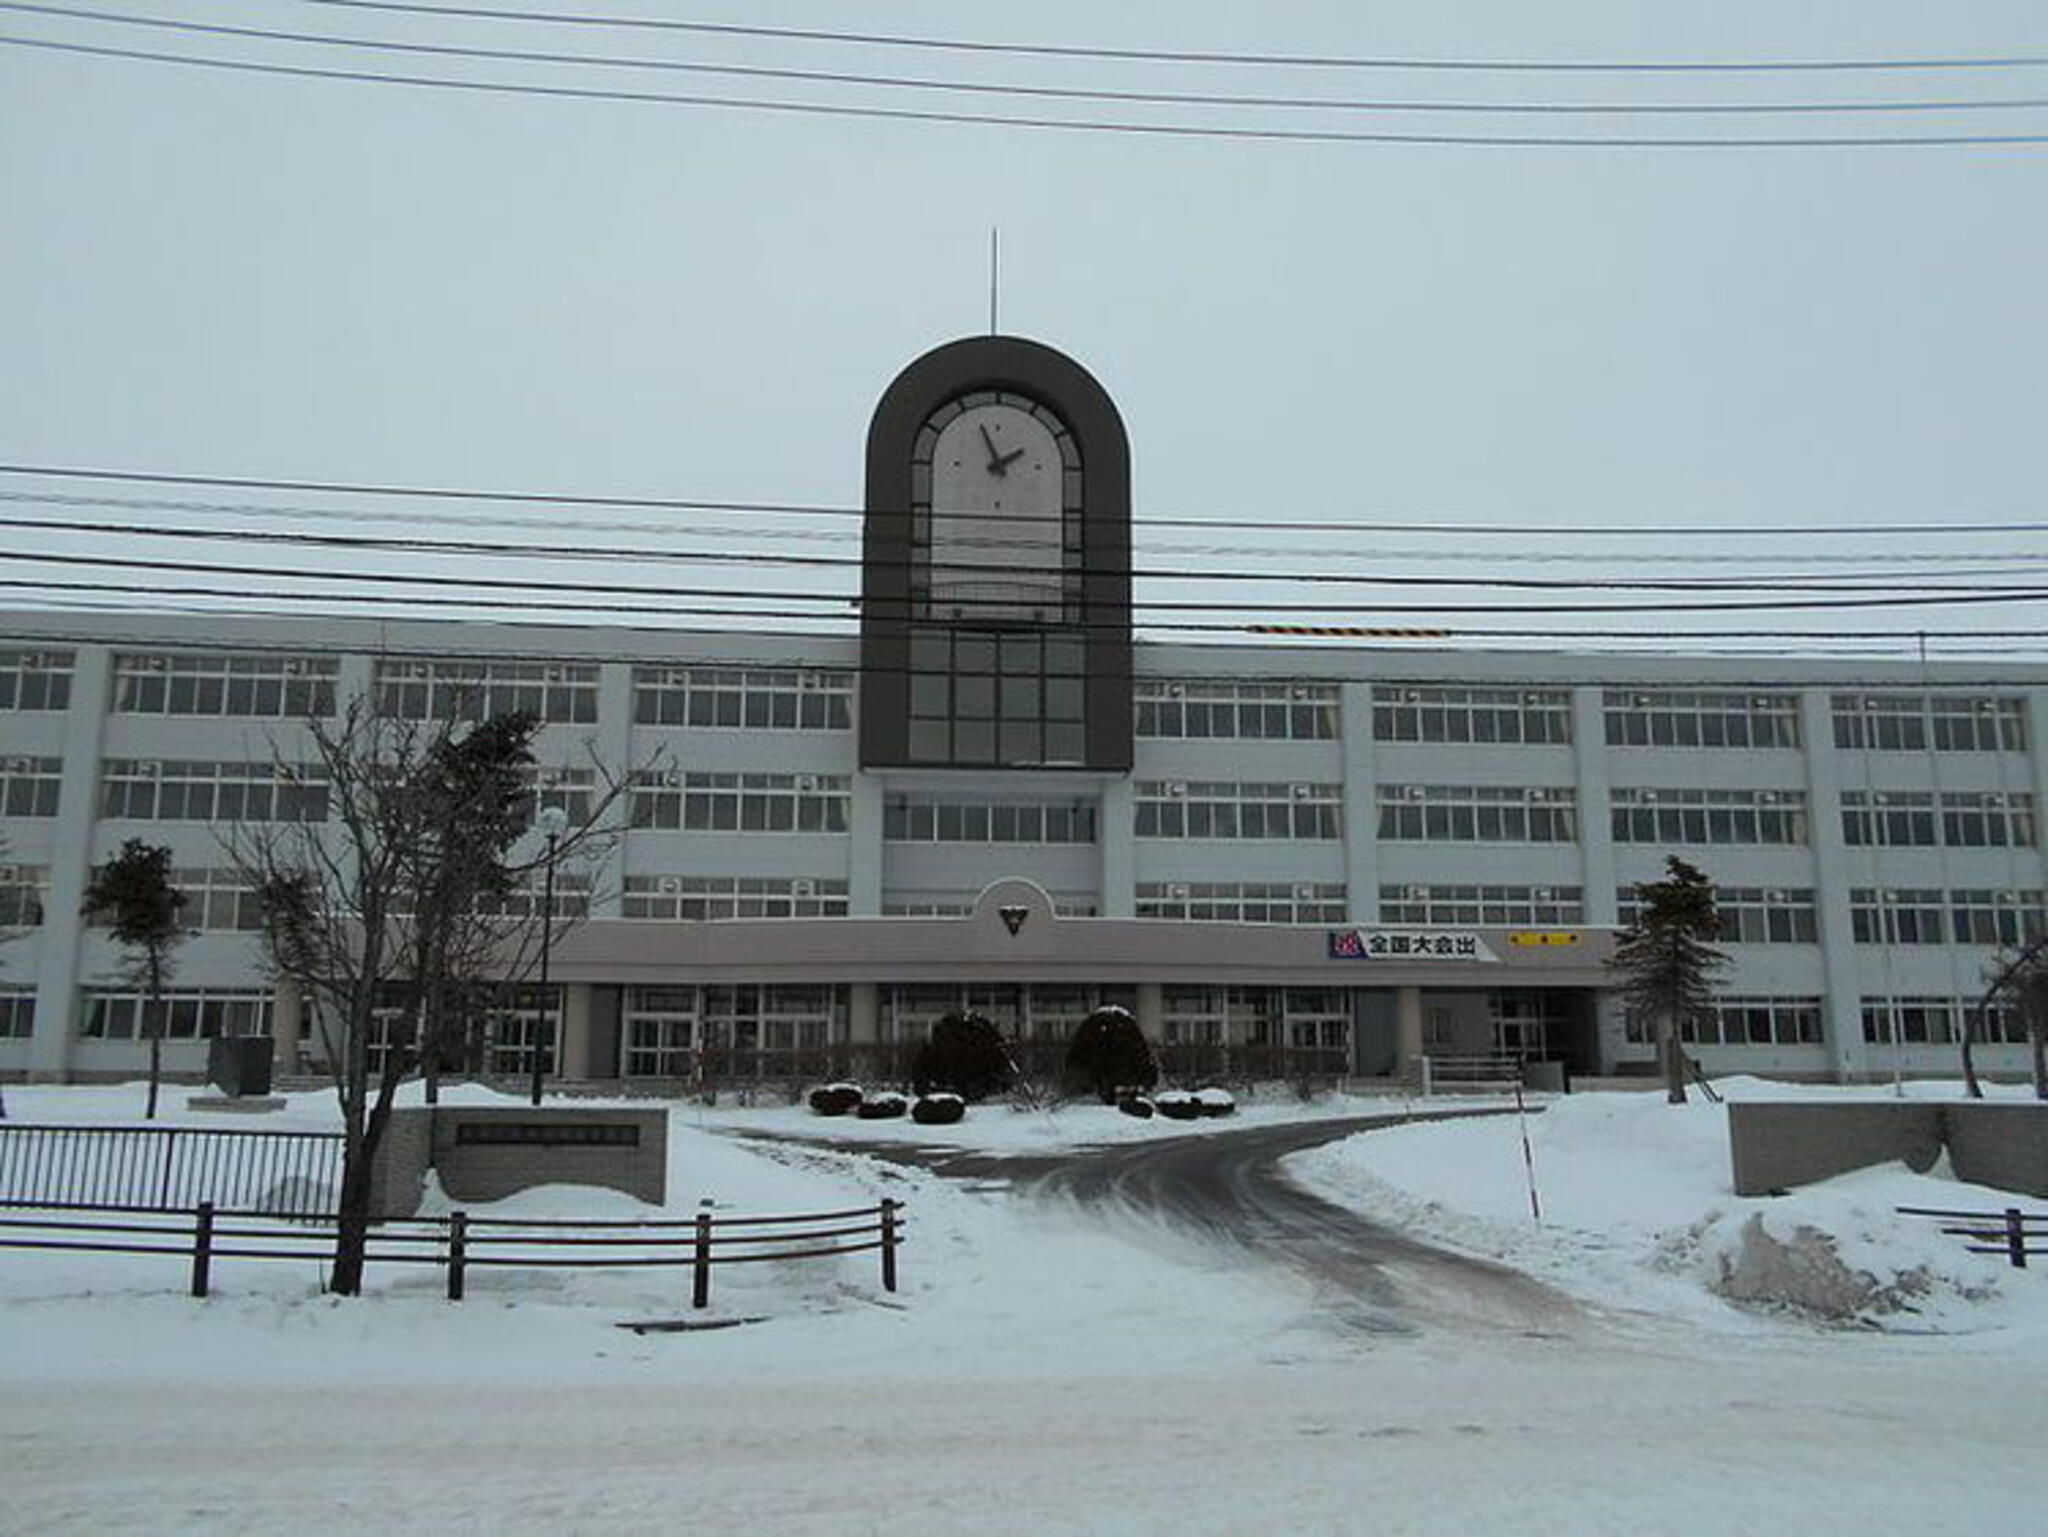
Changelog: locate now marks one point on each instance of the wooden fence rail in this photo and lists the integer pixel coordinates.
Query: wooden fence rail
(2004, 1232)
(460, 1242)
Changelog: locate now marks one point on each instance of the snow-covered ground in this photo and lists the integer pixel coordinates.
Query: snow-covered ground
(1041, 1369)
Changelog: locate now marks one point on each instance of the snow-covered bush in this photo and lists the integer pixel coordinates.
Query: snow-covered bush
(1216, 1102)
(1177, 1105)
(1109, 1055)
(885, 1106)
(836, 1098)
(1136, 1105)
(938, 1109)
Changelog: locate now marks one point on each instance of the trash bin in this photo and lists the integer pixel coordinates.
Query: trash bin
(239, 1065)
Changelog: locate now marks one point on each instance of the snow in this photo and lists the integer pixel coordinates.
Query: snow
(1042, 1368)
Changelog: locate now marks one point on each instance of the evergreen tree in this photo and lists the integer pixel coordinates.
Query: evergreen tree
(965, 1056)
(1667, 960)
(1109, 1054)
(133, 896)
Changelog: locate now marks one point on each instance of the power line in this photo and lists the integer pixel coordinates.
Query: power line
(1780, 529)
(1191, 56)
(1118, 97)
(300, 512)
(499, 549)
(537, 584)
(1183, 131)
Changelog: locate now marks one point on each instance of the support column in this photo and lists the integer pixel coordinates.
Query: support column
(1361, 804)
(575, 1028)
(1151, 1011)
(1407, 1027)
(1833, 878)
(864, 850)
(287, 1026)
(1116, 876)
(62, 934)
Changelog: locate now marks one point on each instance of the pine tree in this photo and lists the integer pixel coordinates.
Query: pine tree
(132, 894)
(1667, 960)
(1108, 1054)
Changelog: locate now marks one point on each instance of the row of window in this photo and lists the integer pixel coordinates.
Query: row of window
(751, 803)
(1665, 817)
(184, 1014)
(1679, 718)
(1798, 1021)
(908, 820)
(225, 684)
(1299, 712)
(1930, 916)
(755, 699)
(188, 790)
(1936, 1021)
(666, 1027)
(705, 898)
(1915, 819)
(1172, 808)
(1242, 901)
(1477, 814)
(35, 680)
(1505, 715)
(1916, 722)
(1481, 906)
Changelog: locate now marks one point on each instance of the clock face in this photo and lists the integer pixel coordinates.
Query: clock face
(996, 485)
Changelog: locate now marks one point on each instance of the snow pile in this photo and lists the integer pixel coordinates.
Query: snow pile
(1638, 1210)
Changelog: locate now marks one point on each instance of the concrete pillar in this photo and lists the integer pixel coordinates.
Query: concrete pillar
(575, 1026)
(62, 934)
(1116, 837)
(1836, 868)
(863, 1013)
(1151, 1011)
(1408, 1039)
(1361, 803)
(287, 1026)
(612, 744)
(1596, 817)
(864, 852)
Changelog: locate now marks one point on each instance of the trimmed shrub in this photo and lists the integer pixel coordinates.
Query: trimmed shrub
(1216, 1102)
(886, 1106)
(965, 1056)
(1109, 1055)
(1136, 1105)
(836, 1098)
(938, 1109)
(1178, 1105)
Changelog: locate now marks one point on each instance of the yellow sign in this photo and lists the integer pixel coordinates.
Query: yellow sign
(1528, 937)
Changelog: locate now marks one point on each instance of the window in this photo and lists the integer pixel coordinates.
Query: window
(998, 696)
(1907, 818)
(1987, 818)
(189, 1014)
(1258, 711)
(528, 895)
(24, 889)
(1477, 814)
(17, 1013)
(668, 799)
(1203, 809)
(958, 904)
(29, 786)
(218, 899)
(1913, 722)
(1684, 718)
(1738, 1021)
(753, 699)
(35, 680)
(1484, 715)
(660, 1032)
(177, 790)
(1666, 817)
(701, 898)
(559, 693)
(1305, 1018)
(1750, 915)
(2004, 918)
(572, 791)
(1912, 1021)
(517, 1018)
(1898, 916)
(1242, 901)
(769, 1031)
(218, 683)
(1477, 906)
(907, 820)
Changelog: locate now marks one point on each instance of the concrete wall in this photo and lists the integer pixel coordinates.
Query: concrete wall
(1774, 1147)
(504, 1151)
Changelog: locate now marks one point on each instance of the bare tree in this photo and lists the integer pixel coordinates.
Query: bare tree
(385, 890)
(2021, 984)
(133, 896)
(1667, 960)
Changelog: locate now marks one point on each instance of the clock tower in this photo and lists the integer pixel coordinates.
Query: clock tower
(996, 565)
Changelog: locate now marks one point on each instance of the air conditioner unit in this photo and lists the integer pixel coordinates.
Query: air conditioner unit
(149, 769)
(1774, 896)
(1414, 792)
(803, 887)
(810, 680)
(806, 783)
(551, 674)
(1539, 893)
(159, 664)
(1302, 792)
(669, 885)
(31, 660)
(1177, 890)
(1175, 787)
(1175, 690)
(671, 776)
(1767, 797)
(1303, 892)
(422, 670)
(293, 667)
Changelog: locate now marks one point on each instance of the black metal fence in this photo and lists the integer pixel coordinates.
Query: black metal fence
(2010, 1232)
(460, 1243)
(170, 1168)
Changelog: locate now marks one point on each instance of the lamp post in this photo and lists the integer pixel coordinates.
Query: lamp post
(551, 822)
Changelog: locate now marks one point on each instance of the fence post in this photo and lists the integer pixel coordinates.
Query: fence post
(202, 1248)
(163, 1195)
(2016, 1237)
(458, 1252)
(700, 1268)
(888, 1244)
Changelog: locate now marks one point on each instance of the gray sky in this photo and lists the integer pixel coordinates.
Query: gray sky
(228, 274)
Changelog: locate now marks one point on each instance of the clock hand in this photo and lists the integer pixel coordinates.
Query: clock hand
(996, 461)
(1003, 462)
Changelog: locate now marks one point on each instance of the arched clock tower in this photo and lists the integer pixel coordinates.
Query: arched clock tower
(996, 565)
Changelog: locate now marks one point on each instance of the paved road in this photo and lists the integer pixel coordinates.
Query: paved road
(1226, 1187)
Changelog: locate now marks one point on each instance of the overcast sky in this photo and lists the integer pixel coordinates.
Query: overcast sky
(231, 274)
